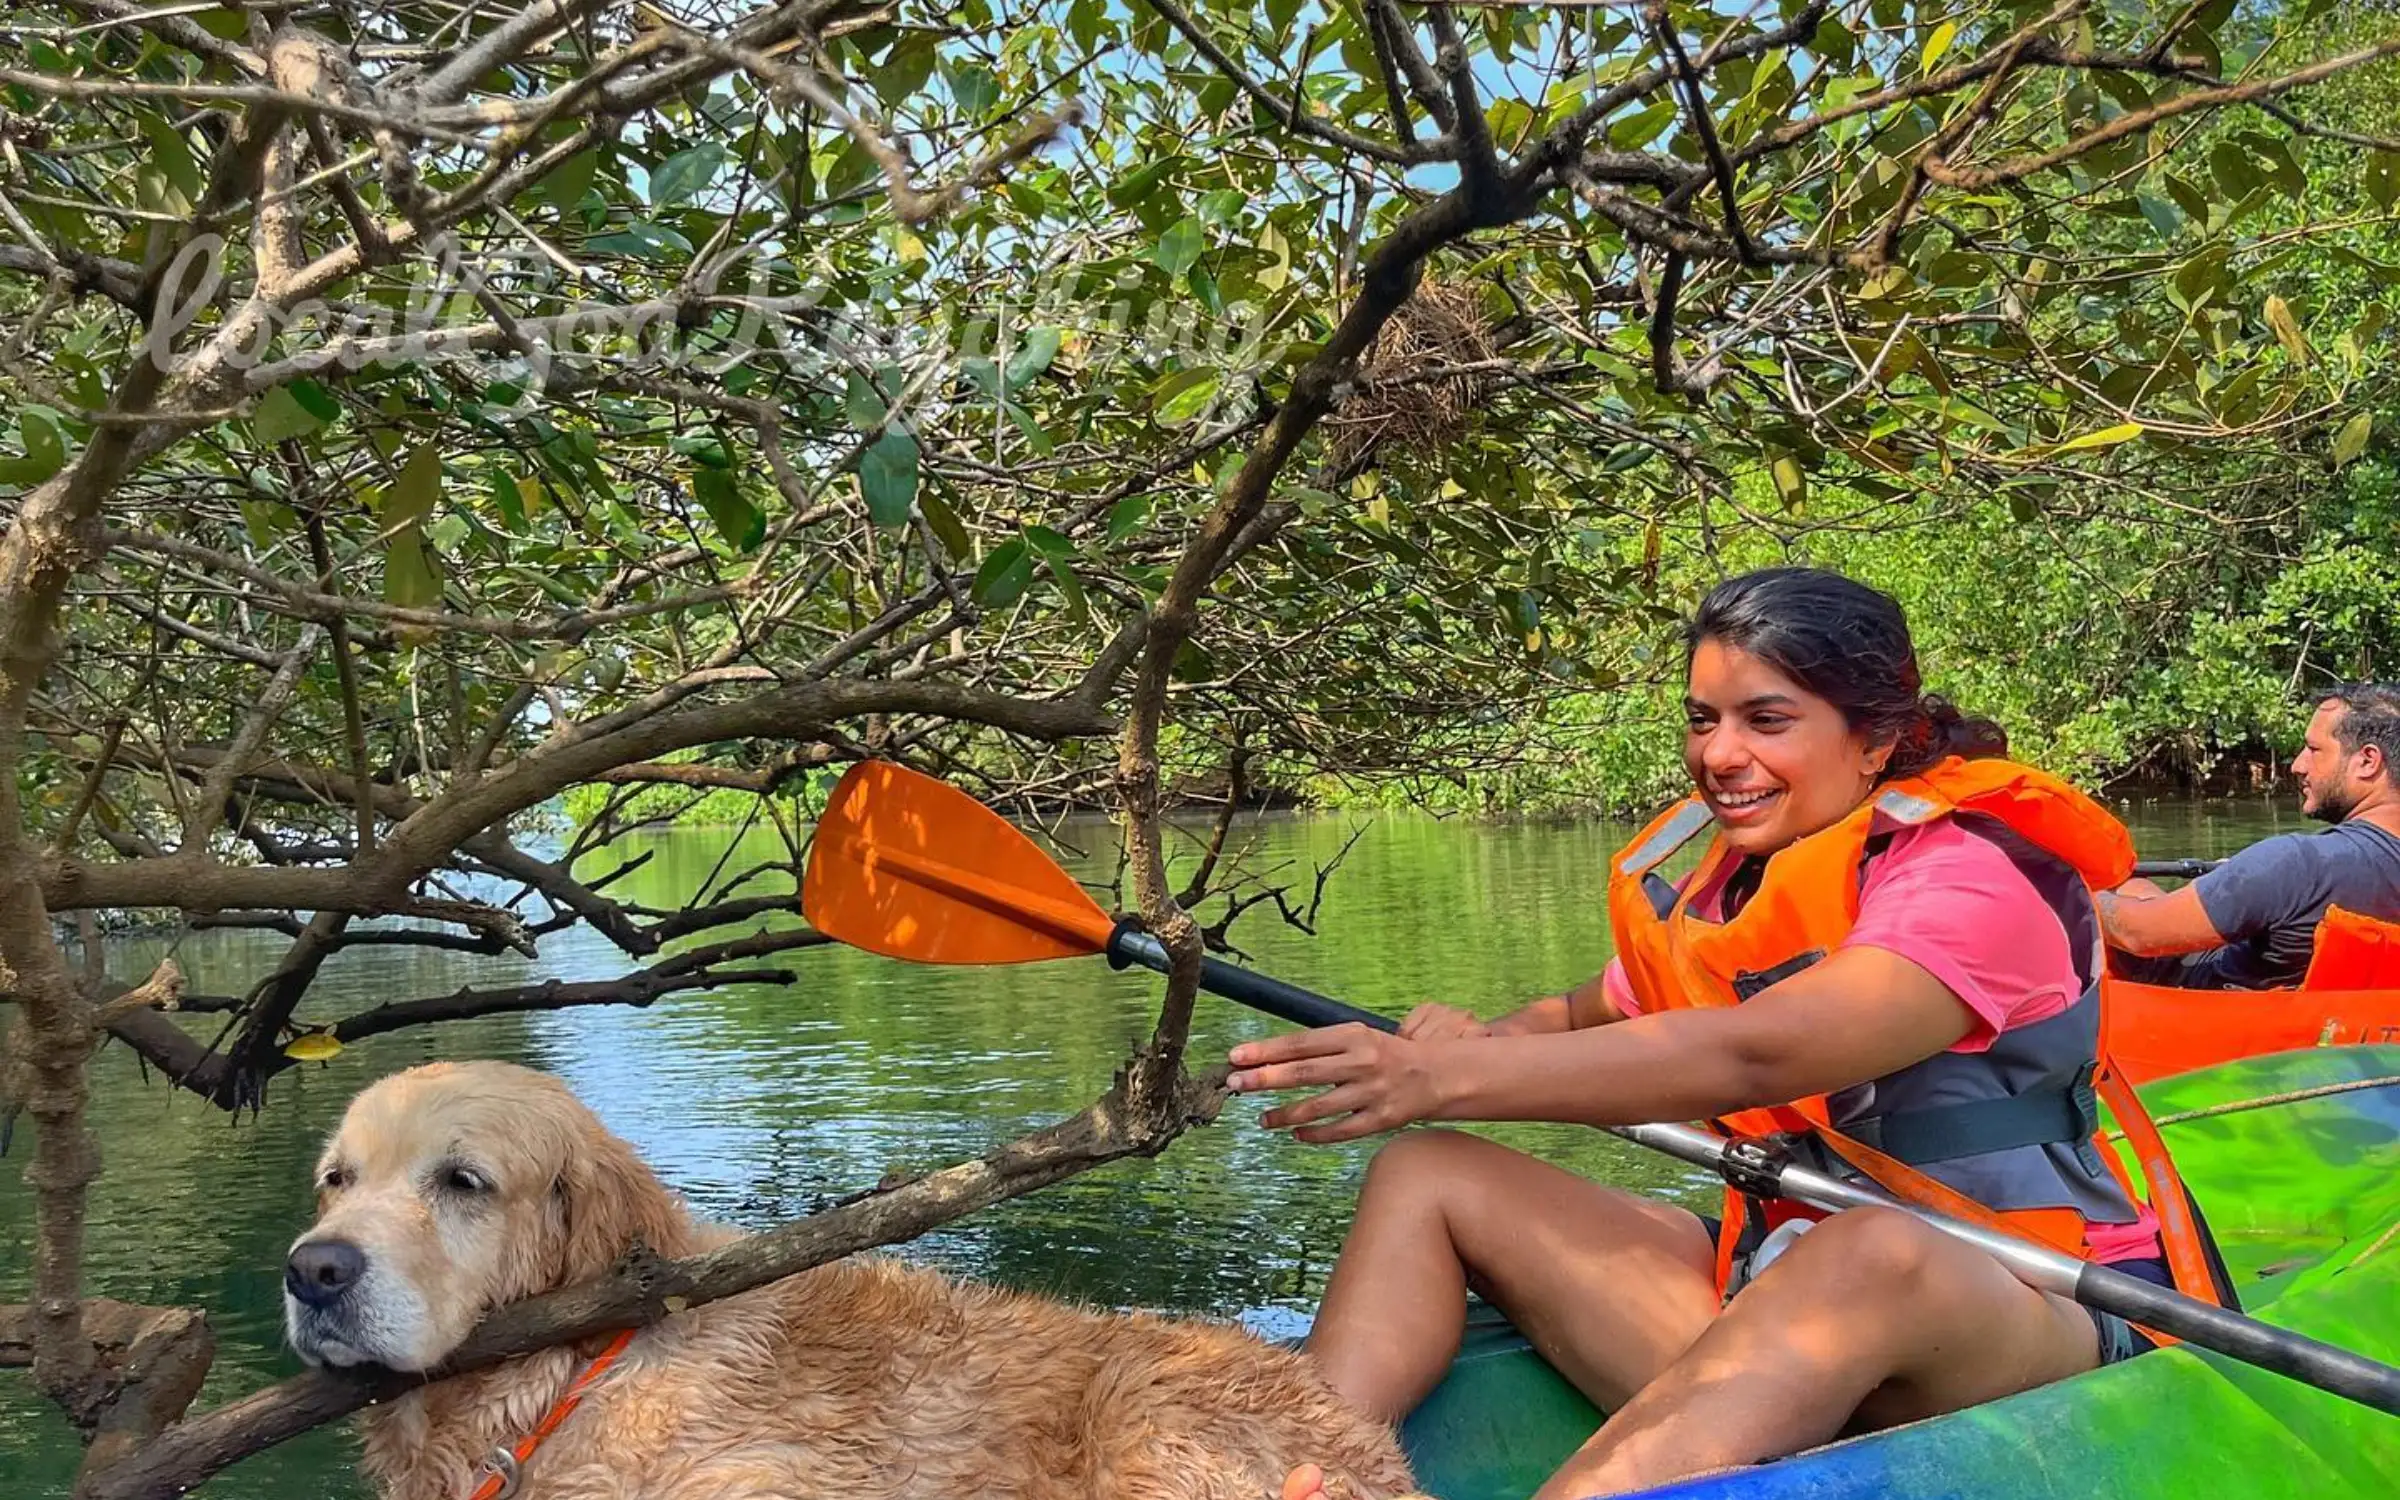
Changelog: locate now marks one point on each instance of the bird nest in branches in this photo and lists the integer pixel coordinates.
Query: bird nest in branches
(1410, 389)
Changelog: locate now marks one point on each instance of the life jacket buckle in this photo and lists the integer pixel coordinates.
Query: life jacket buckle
(2084, 1098)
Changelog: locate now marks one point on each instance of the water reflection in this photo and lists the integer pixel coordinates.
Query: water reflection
(761, 1102)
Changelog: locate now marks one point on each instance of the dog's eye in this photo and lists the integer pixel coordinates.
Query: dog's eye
(466, 1180)
(334, 1179)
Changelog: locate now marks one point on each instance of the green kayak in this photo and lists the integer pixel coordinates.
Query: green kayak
(2295, 1158)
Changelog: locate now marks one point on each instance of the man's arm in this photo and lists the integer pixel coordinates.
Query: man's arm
(2153, 926)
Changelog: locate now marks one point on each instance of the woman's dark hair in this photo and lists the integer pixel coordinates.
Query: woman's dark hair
(1848, 644)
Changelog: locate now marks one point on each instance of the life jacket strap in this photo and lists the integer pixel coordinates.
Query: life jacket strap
(2064, 1110)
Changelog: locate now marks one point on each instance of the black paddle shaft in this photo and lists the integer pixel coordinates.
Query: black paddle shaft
(2312, 1362)
(2325, 1366)
(1129, 945)
(2175, 869)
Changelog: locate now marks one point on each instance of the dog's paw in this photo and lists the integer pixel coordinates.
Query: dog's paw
(1309, 1482)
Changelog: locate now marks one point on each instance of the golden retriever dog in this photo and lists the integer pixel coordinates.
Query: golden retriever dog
(453, 1188)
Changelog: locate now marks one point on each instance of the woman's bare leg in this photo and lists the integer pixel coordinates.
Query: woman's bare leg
(1873, 1316)
(1611, 1287)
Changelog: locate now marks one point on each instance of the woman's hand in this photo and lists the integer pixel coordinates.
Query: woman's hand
(1441, 1023)
(1373, 1081)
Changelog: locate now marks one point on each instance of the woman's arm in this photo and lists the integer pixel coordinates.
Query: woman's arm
(1860, 1014)
(1587, 1004)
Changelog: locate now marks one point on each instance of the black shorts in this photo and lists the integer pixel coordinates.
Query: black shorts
(2119, 1340)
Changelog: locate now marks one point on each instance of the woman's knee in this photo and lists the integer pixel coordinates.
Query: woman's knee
(1880, 1250)
(1417, 1161)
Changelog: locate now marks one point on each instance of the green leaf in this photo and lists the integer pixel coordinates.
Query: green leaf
(1181, 247)
(1637, 130)
(314, 399)
(1035, 437)
(1791, 482)
(258, 519)
(2200, 278)
(686, 173)
(642, 240)
(1939, 43)
(1884, 285)
(903, 72)
(946, 526)
(2106, 437)
(2126, 89)
(2190, 199)
(1181, 397)
(171, 153)
(1006, 570)
(2383, 177)
(279, 415)
(1204, 287)
(1033, 357)
(1059, 554)
(887, 478)
(862, 402)
(2236, 174)
(974, 87)
(411, 498)
(702, 447)
(1278, 251)
(2281, 167)
(409, 576)
(741, 524)
(571, 179)
(1222, 206)
(1136, 186)
(508, 500)
(45, 445)
(1128, 516)
(2351, 441)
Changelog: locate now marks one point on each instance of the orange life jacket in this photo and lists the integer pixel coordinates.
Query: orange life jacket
(1805, 905)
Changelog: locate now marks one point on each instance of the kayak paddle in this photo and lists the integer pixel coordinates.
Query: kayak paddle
(910, 867)
(2175, 869)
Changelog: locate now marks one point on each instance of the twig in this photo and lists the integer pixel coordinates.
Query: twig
(1696, 106)
(1299, 122)
(1976, 179)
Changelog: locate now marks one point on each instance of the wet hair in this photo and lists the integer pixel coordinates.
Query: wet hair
(2370, 716)
(1848, 644)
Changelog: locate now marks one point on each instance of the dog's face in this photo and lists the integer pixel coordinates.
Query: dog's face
(451, 1189)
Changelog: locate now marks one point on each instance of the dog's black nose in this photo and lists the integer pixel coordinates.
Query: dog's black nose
(321, 1270)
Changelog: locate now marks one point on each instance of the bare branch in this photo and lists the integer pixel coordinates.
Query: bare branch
(209, 806)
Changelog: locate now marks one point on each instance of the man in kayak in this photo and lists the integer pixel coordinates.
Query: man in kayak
(1888, 938)
(2250, 923)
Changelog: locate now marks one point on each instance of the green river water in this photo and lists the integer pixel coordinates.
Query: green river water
(757, 1103)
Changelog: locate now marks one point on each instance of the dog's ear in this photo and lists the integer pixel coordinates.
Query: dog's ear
(609, 1200)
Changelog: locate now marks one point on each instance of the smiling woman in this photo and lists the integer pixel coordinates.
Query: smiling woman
(1886, 957)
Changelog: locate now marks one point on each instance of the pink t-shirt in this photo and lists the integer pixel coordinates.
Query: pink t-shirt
(1956, 906)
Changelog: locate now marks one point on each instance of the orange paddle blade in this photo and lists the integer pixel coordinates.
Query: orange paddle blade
(910, 867)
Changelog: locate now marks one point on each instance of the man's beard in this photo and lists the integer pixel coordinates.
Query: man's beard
(2329, 805)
